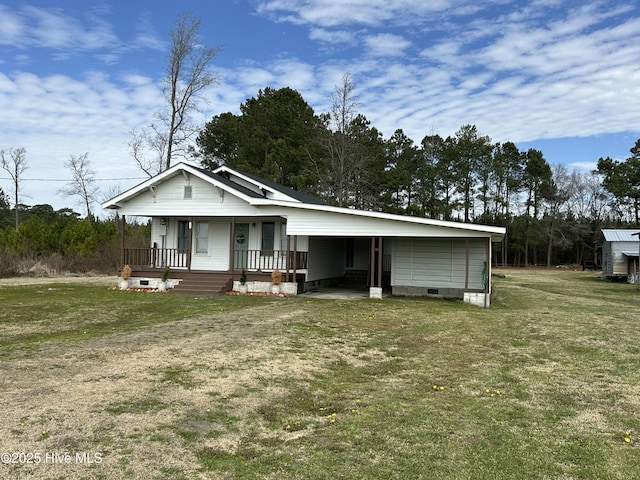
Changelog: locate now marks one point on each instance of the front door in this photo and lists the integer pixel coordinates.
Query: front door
(241, 245)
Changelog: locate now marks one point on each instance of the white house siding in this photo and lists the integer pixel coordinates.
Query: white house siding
(158, 232)
(326, 258)
(167, 199)
(423, 266)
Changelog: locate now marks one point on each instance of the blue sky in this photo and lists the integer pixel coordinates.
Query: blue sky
(561, 76)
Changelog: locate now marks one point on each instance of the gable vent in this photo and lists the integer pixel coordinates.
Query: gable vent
(188, 192)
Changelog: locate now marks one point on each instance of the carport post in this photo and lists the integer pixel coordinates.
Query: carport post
(376, 291)
(380, 262)
(466, 266)
(487, 285)
(372, 262)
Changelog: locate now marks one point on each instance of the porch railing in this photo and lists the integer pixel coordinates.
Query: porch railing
(269, 260)
(247, 259)
(156, 257)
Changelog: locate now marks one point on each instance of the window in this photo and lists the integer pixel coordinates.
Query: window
(188, 192)
(183, 235)
(268, 236)
(202, 237)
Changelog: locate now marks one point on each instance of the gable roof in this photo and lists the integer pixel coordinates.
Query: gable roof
(620, 235)
(244, 185)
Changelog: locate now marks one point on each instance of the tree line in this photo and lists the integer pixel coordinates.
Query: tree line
(552, 215)
(59, 241)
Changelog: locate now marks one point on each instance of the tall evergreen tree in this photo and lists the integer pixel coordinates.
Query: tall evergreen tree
(537, 181)
(472, 150)
(428, 181)
(366, 172)
(403, 160)
(622, 180)
(273, 137)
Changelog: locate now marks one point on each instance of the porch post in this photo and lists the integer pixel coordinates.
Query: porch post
(288, 266)
(190, 244)
(232, 261)
(122, 232)
(295, 258)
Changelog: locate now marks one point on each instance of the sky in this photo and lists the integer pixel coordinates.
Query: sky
(76, 76)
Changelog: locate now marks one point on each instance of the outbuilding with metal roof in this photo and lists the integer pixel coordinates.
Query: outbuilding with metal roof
(620, 253)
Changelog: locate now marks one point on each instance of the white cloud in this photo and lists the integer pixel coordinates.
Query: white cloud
(588, 166)
(386, 45)
(515, 75)
(332, 13)
(12, 28)
(332, 36)
(52, 29)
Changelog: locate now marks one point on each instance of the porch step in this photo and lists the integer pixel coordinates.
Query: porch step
(203, 284)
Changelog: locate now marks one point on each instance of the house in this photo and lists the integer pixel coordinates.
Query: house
(620, 254)
(209, 226)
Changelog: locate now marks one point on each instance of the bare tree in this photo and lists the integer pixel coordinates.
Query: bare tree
(343, 104)
(82, 183)
(148, 150)
(338, 142)
(188, 75)
(15, 165)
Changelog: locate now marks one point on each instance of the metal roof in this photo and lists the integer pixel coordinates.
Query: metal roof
(618, 235)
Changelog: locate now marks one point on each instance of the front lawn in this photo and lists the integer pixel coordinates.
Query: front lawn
(545, 384)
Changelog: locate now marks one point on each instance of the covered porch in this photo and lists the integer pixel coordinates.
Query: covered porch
(178, 244)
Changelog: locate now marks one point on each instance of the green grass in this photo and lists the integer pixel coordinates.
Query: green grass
(542, 385)
(33, 315)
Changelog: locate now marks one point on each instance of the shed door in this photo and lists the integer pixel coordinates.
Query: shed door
(241, 245)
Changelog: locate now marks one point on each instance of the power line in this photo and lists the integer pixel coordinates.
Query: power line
(70, 180)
